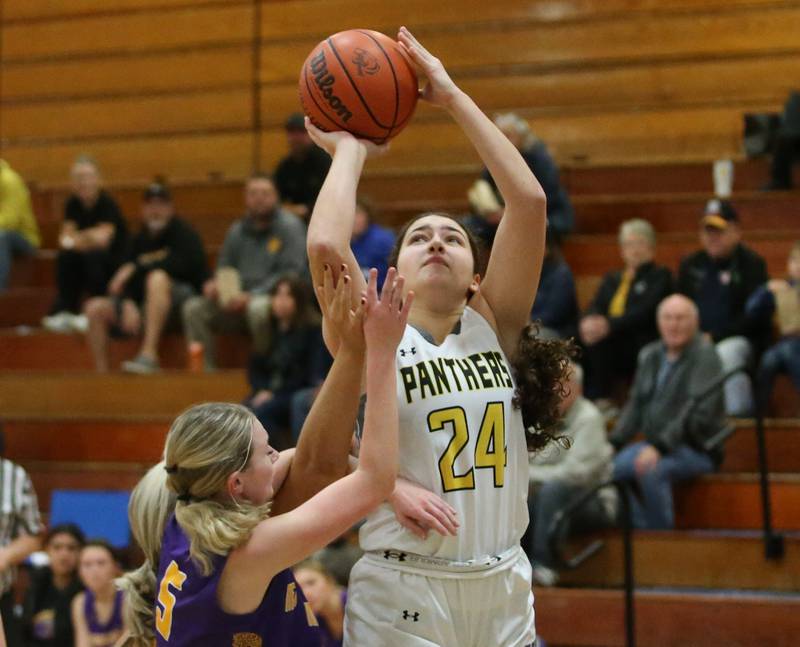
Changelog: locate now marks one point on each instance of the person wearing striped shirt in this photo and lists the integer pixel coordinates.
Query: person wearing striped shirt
(20, 525)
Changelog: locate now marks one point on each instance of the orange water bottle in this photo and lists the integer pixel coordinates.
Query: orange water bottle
(195, 356)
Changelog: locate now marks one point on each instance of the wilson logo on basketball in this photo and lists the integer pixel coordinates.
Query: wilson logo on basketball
(325, 81)
(365, 62)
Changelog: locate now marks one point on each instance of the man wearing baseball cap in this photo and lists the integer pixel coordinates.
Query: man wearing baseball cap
(719, 279)
(166, 265)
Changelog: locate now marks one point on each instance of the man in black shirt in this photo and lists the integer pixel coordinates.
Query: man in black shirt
(299, 175)
(719, 279)
(166, 266)
(92, 244)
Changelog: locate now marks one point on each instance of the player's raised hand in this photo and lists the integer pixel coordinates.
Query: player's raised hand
(330, 141)
(440, 89)
(335, 298)
(386, 314)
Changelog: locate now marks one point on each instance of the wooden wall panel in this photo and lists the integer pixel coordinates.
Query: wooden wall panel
(282, 20)
(227, 109)
(16, 10)
(580, 44)
(182, 158)
(143, 74)
(765, 79)
(136, 32)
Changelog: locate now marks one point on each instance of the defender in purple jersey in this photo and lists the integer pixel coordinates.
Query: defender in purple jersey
(221, 576)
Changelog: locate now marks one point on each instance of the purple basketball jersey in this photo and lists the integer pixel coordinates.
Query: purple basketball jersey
(187, 612)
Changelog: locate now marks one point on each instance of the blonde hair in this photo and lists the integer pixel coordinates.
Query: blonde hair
(150, 506)
(511, 120)
(638, 227)
(205, 445)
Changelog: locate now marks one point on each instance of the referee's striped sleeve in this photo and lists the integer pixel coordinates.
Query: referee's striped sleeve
(26, 504)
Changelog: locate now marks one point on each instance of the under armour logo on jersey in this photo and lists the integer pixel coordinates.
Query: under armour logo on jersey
(394, 554)
(407, 615)
(410, 351)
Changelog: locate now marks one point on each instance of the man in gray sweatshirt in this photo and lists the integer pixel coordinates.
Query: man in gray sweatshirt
(265, 244)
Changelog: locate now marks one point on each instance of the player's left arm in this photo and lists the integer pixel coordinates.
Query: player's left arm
(507, 291)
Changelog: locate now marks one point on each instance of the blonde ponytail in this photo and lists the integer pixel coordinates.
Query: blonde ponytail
(150, 506)
(205, 445)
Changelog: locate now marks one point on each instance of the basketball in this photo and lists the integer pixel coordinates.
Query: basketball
(360, 81)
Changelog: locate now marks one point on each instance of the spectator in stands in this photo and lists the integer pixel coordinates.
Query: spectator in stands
(556, 304)
(92, 245)
(719, 279)
(47, 621)
(265, 244)
(303, 399)
(20, 526)
(559, 475)
(371, 243)
(672, 373)
(486, 201)
(97, 611)
(19, 233)
(621, 318)
(779, 298)
(287, 365)
(326, 598)
(299, 175)
(166, 266)
(787, 145)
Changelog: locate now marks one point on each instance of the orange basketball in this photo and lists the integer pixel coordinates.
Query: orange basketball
(359, 81)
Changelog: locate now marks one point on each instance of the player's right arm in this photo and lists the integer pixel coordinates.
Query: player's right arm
(284, 540)
(331, 224)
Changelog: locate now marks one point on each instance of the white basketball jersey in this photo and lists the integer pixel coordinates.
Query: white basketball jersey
(461, 438)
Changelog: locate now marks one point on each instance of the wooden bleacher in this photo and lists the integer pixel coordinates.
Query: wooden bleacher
(635, 98)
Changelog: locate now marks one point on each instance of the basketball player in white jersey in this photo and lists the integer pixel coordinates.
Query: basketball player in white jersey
(460, 435)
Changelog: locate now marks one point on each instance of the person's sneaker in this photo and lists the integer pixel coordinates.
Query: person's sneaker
(78, 323)
(544, 576)
(59, 322)
(141, 365)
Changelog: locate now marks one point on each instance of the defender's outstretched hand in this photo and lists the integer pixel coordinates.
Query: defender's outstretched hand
(386, 315)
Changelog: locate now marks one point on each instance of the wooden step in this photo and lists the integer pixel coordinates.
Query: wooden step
(36, 349)
(690, 559)
(51, 394)
(25, 306)
(113, 440)
(733, 502)
(783, 447)
(595, 618)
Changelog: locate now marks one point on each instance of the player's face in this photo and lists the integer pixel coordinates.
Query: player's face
(257, 476)
(97, 568)
(436, 252)
(316, 587)
(63, 550)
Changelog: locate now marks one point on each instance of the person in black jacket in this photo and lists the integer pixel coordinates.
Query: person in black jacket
(46, 620)
(621, 318)
(166, 265)
(787, 146)
(719, 279)
(92, 244)
(671, 372)
(290, 361)
(487, 203)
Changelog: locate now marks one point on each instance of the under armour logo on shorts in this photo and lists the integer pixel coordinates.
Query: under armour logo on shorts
(407, 615)
(394, 554)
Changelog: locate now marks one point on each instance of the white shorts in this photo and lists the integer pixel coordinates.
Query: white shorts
(394, 607)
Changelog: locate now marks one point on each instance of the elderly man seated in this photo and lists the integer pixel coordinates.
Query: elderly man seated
(671, 372)
(559, 475)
